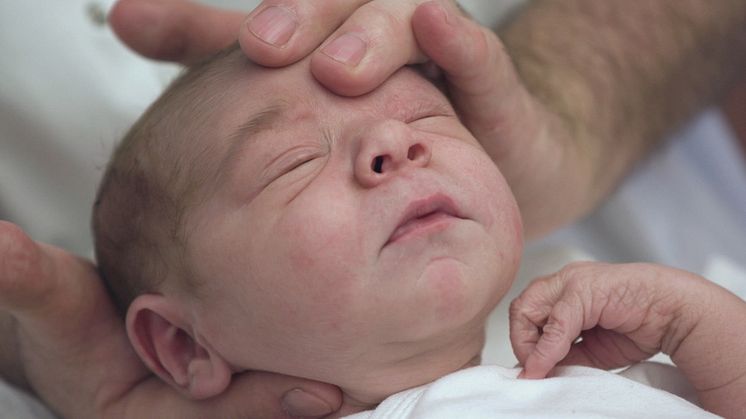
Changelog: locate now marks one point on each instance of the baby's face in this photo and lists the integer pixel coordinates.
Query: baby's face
(360, 242)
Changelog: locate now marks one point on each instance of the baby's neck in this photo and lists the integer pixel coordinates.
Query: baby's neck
(366, 394)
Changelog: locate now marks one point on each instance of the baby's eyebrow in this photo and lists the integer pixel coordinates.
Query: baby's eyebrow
(247, 132)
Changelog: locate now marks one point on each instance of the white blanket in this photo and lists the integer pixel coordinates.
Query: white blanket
(577, 392)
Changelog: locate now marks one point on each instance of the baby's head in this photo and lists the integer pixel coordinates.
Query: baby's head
(251, 220)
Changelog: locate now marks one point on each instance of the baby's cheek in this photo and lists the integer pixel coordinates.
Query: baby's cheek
(321, 266)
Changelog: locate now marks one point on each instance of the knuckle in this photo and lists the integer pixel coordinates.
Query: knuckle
(529, 305)
(381, 21)
(324, 7)
(516, 305)
(575, 274)
(517, 309)
(540, 353)
(554, 331)
(289, 4)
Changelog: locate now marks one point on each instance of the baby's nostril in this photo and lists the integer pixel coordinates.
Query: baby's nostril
(377, 164)
(414, 151)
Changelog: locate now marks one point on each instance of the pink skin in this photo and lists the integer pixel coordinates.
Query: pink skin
(315, 264)
(627, 313)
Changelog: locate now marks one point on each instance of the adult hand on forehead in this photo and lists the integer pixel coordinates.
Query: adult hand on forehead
(66, 341)
(357, 44)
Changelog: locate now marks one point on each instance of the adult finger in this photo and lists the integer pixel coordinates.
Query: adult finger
(23, 270)
(281, 32)
(482, 80)
(525, 140)
(56, 296)
(371, 45)
(251, 395)
(297, 397)
(38, 280)
(174, 30)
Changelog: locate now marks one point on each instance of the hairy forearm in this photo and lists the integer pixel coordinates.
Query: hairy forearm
(735, 109)
(624, 74)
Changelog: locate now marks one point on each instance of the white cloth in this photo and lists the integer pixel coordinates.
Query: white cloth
(576, 392)
(15, 404)
(68, 91)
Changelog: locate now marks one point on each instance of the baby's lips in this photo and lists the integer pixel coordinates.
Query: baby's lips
(424, 211)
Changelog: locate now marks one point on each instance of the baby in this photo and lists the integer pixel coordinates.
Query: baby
(251, 220)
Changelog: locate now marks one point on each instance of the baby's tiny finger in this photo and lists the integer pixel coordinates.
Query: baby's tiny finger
(557, 336)
(524, 333)
(528, 313)
(480, 73)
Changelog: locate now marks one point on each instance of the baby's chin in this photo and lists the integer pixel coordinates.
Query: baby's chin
(431, 349)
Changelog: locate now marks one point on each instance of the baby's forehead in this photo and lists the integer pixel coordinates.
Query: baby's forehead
(281, 110)
(264, 102)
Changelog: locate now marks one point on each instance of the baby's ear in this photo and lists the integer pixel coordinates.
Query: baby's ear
(159, 333)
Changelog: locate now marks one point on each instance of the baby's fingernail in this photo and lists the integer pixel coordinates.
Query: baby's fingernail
(274, 25)
(522, 374)
(347, 49)
(298, 403)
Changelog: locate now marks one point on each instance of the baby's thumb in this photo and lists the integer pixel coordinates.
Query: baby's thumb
(544, 322)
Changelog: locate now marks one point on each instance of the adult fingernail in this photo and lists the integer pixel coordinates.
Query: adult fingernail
(443, 13)
(274, 25)
(298, 403)
(347, 49)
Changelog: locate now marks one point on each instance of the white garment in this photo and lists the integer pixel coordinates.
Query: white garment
(493, 392)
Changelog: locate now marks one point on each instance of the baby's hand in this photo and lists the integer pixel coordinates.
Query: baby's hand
(627, 313)
(622, 314)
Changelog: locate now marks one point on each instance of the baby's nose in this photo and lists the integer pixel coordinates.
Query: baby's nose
(386, 150)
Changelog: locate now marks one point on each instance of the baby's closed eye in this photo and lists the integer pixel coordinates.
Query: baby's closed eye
(289, 161)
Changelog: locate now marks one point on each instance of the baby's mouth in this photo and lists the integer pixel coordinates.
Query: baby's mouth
(425, 216)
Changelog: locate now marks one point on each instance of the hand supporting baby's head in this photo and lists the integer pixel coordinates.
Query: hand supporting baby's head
(253, 221)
